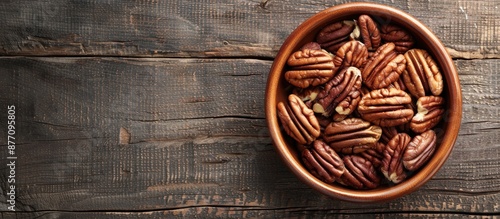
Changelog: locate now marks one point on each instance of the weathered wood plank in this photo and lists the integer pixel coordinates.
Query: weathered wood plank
(250, 28)
(231, 212)
(188, 136)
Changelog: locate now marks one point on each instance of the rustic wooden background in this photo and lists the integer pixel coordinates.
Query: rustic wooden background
(152, 108)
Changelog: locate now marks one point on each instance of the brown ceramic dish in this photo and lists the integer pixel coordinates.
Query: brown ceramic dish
(275, 92)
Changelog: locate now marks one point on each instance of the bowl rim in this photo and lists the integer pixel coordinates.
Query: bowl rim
(441, 56)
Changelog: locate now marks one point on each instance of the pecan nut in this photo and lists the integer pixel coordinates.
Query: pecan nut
(351, 135)
(419, 150)
(323, 121)
(392, 164)
(387, 134)
(384, 67)
(359, 173)
(374, 154)
(429, 113)
(341, 89)
(323, 162)
(333, 36)
(422, 76)
(309, 68)
(347, 106)
(308, 95)
(386, 107)
(397, 35)
(311, 45)
(369, 32)
(352, 53)
(399, 84)
(355, 149)
(298, 121)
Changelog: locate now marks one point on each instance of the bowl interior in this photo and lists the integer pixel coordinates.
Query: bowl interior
(447, 130)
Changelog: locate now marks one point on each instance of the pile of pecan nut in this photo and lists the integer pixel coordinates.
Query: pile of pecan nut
(363, 103)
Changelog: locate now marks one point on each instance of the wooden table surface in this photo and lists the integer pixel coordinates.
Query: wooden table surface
(152, 108)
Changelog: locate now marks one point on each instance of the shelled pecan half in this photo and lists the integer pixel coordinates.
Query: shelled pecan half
(333, 36)
(352, 53)
(430, 110)
(359, 173)
(384, 67)
(311, 46)
(309, 68)
(392, 164)
(342, 89)
(323, 162)
(422, 76)
(419, 150)
(307, 95)
(397, 35)
(351, 135)
(369, 32)
(298, 120)
(374, 154)
(386, 107)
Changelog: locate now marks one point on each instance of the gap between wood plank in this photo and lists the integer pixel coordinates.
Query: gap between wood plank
(455, 55)
(262, 58)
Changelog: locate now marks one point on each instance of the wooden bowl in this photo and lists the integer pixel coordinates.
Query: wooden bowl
(449, 127)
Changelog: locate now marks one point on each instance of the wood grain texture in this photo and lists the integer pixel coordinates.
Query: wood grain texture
(161, 137)
(233, 213)
(154, 109)
(222, 28)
